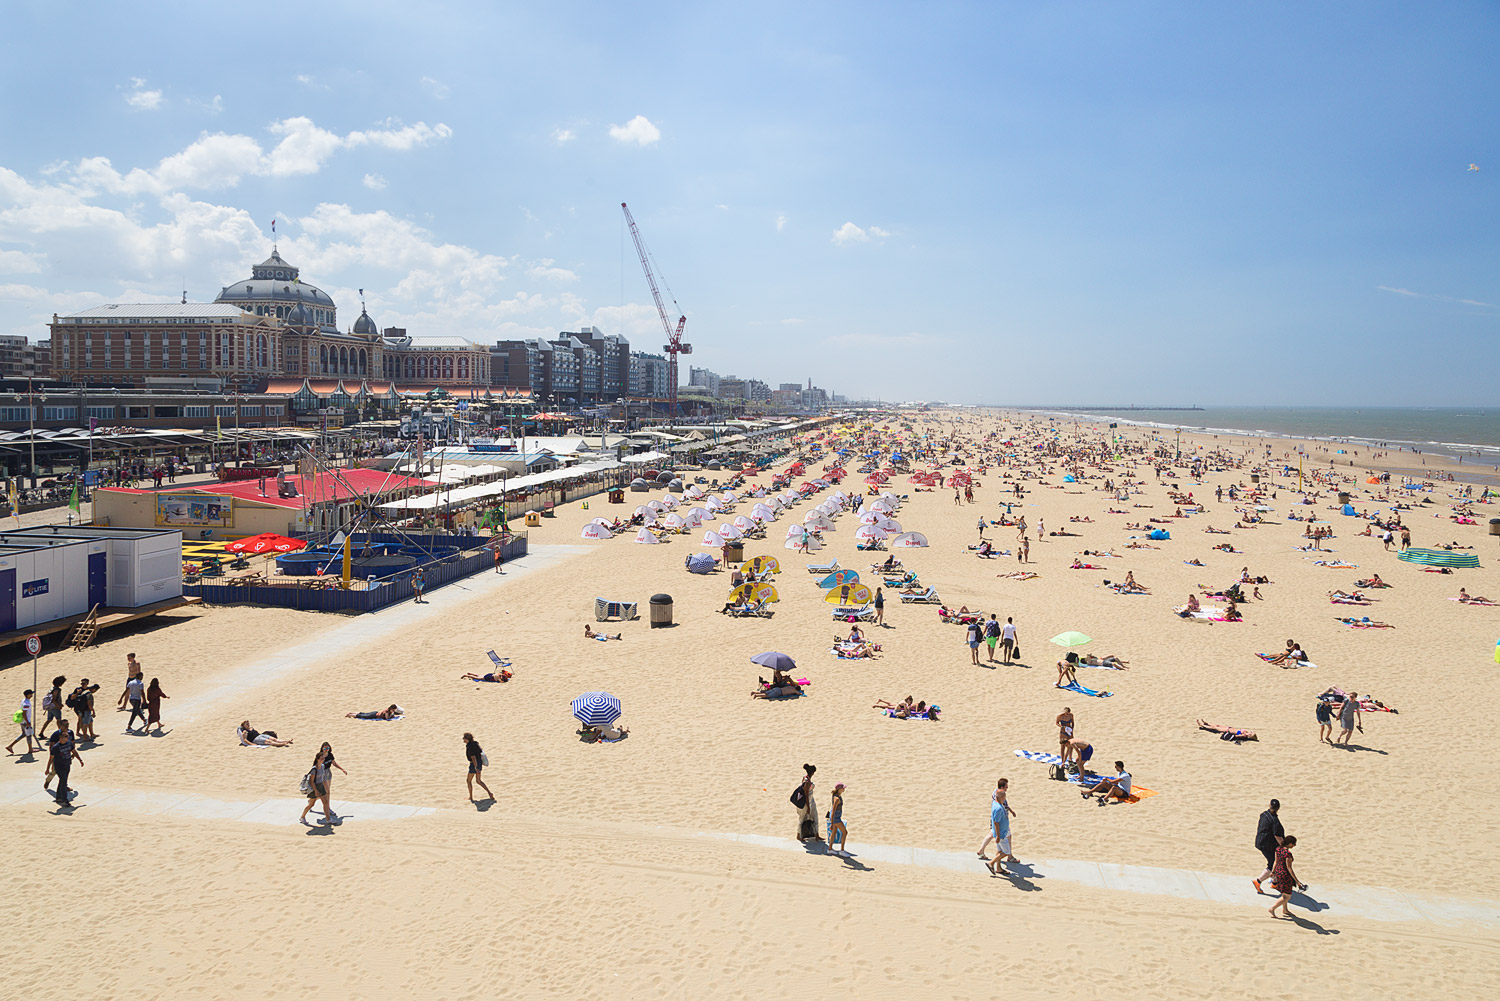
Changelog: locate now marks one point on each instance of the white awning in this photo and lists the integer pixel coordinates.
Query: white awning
(442, 500)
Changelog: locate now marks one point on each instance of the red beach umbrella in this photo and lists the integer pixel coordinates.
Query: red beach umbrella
(266, 542)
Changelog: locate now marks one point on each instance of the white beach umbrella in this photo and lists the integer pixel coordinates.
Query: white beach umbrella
(698, 512)
(728, 497)
(713, 504)
(868, 517)
(743, 523)
(693, 492)
(645, 538)
(909, 540)
(821, 524)
(795, 531)
(729, 531)
(812, 544)
(675, 520)
(890, 525)
(669, 501)
(594, 530)
(655, 505)
(604, 522)
(763, 513)
(870, 533)
(693, 520)
(713, 539)
(645, 512)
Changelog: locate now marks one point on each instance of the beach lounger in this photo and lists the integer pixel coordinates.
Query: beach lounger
(828, 567)
(852, 613)
(755, 610)
(606, 610)
(927, 597)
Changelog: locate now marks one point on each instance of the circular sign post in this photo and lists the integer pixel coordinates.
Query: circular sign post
(34, 647)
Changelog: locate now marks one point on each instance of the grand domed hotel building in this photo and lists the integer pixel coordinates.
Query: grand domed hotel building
(270, 332)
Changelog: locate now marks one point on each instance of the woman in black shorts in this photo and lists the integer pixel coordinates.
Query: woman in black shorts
(1325, 722)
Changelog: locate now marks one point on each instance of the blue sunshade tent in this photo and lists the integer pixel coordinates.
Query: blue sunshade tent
(596, 708)
(839, 577)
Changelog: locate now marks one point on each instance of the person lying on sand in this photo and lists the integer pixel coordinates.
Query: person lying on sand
(1374, 581)
(1228, 732)
(1478, 599)
(1194, 562)
(1216, 531)
(780, 686)
(1141, 545)
(589, 633)
(1343, 595)
(597, 733)
(1080, 565)
(249, 735)
(906, 703)
(497, 677)
(390, 712)
(1109, 661)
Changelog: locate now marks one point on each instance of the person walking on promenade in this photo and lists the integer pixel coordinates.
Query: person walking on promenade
(133, 669)
(1000, 814)
(972, 638)
(315, 787)
(837, 831)
(135, 689)
(477, 760)
(1284, 877)
(1268, 836)
(879, 607)
(154, 695)
(52, 706)
(418, 582)
(64, 751)
(27, 718)
(807, 807)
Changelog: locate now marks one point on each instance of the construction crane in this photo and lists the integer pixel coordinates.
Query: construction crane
(674, 345)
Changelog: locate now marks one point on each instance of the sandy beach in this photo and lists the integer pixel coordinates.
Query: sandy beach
(605, 868)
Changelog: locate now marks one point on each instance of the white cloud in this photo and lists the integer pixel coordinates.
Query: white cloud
(140, 98)
(304, 79)
(436, 88)
(849, 233)
(793, 320)
(374, 182)
(220, 160)
(780, 221)
(545, 269)
(1436, 298)
(638, 130)
(17, 262)
(562, 136)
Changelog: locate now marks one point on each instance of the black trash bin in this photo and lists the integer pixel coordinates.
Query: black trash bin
(661, 611)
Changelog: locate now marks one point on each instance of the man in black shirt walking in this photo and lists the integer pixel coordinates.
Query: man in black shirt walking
(64, 750)
(1268, 835)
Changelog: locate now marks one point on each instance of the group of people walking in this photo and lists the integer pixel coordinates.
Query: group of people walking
(140, 698)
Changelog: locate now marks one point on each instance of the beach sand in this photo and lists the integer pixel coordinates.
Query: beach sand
(588, 874)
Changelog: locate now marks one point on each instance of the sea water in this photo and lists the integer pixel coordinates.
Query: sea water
(1470, 433)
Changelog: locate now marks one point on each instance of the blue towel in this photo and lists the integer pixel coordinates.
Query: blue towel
(1076, 687)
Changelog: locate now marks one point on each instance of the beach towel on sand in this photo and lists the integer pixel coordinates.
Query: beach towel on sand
(1137, 792)
(1074, 686)
(1300, 663)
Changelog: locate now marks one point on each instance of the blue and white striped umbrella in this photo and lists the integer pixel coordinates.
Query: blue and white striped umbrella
(596, 708)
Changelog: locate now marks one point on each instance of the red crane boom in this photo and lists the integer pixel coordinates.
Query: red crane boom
(674, 345)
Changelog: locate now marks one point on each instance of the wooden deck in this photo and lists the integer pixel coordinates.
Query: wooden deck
(108, 616)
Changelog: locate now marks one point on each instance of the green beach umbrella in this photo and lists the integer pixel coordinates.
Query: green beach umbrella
(1071, 638)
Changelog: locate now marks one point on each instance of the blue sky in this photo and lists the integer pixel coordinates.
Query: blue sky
(991, 203)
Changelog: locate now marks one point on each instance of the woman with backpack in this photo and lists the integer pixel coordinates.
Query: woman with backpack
(807, 807)
(315, 787)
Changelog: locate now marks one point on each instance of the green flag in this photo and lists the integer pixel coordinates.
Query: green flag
(73, 501)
